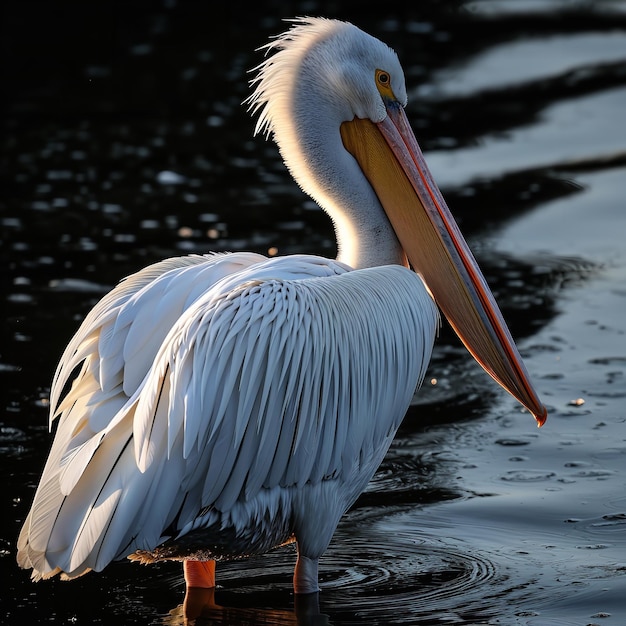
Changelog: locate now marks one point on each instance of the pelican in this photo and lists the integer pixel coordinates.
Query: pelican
(226, 404)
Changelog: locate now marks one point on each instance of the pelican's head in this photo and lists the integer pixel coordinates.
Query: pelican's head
(320, 74)
(334, 98)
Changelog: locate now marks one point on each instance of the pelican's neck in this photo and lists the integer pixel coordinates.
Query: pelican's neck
(365, 242)
(319, 78)
(319, 162)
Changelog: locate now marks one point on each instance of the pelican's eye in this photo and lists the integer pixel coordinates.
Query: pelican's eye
(383, 82)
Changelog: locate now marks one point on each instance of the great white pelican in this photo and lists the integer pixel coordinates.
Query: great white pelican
(226, 404)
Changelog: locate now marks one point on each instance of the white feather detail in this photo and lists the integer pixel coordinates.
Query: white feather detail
(274, 378)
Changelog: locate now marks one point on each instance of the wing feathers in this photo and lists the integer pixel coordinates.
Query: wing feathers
(208, 382)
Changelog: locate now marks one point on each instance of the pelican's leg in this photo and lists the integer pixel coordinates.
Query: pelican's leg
(199, 574)
(200, 588)
(305, 575)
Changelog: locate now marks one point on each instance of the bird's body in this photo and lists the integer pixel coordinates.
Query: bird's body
(195, 358)
(227, 404)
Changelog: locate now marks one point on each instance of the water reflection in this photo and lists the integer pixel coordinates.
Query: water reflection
(201, 608)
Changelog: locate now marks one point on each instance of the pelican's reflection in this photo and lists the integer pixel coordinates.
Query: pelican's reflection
(200, 609)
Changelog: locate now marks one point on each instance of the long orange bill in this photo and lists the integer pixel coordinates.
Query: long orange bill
(436, 248)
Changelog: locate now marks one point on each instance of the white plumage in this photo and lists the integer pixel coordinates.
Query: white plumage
(234, 406)
(226, 404)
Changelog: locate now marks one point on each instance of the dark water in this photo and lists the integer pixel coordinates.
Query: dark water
(124, 142)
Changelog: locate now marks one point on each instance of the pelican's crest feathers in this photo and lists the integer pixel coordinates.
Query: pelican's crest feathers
(277, 75)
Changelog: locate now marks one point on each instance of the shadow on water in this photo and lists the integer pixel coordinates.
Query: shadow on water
(124, 142)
